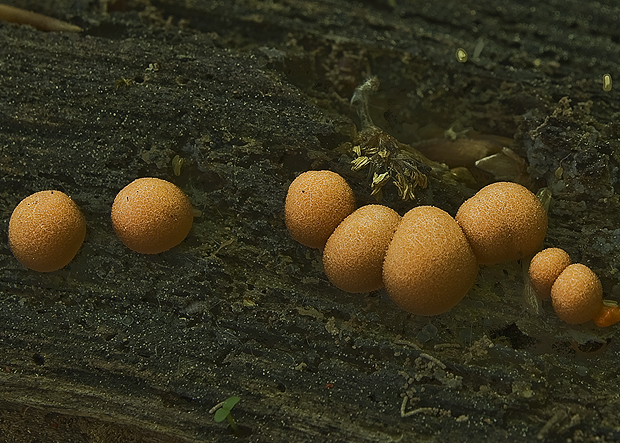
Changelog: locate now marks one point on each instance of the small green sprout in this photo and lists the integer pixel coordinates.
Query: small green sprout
(224, 413)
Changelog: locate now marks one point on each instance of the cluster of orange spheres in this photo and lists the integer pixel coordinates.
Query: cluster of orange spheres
(149, 215)
(427, 260)
(575, 291)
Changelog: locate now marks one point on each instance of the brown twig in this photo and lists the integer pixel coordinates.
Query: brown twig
(39, 21)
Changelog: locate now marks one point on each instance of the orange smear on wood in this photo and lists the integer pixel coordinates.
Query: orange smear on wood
(607, 316)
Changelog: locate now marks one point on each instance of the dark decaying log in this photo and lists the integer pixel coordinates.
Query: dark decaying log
(119, 346)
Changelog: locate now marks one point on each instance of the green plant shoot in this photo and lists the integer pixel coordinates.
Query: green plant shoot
(224, 413)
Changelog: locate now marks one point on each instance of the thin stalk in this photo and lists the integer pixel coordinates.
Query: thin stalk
(233, 425)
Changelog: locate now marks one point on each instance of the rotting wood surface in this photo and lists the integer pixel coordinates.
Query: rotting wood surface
(123, 347)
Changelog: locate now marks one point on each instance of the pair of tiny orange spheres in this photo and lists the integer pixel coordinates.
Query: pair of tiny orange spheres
(149, 215)
(427, 260)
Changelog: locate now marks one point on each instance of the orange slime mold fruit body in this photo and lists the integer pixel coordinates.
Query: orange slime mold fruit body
(429, 265)
(545, 268)
(354, 253)
(316, 203)
(151, 215)
(577, 294)
(607, 316)
(503, 222)
(46, 230)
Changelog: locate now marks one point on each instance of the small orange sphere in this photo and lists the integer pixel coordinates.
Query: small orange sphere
(316, 202)
(151, 215)
(354, 253)
(545, 268)
(577, 294)
(429, 266)
(46, 230)
(503, 222)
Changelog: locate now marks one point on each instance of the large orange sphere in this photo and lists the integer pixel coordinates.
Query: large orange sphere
(151, 215)
(46, 230)
(354, 253)
(429, 265)
(316, 202)
(503, 222)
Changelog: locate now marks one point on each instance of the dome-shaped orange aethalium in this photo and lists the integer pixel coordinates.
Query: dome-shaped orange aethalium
(429, 265)
(545, 268)
(577, 294)
(151, 215)
(46, 230)
(316, 202)
(354, 253)
(503, 221)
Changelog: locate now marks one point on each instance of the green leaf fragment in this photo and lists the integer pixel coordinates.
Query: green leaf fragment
(221, 414)
(230, 402)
